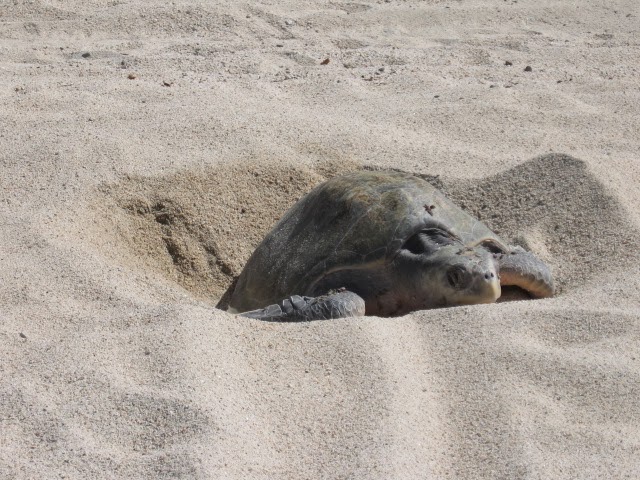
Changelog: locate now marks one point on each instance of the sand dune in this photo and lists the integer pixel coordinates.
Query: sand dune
(146, 149)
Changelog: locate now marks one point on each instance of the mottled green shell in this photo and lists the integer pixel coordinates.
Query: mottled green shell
(359, 220)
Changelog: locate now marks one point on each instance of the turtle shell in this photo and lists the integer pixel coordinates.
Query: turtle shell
(357, 221)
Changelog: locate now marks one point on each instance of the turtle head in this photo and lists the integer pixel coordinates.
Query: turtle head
(468, 275)
(437, 269)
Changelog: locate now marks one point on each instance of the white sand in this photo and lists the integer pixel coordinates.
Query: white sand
(127, 206)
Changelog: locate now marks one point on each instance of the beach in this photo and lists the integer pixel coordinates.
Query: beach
(147, 148)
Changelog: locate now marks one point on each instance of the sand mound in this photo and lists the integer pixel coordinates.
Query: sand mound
(554, 206)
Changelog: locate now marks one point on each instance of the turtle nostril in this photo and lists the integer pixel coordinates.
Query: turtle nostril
(492, 275)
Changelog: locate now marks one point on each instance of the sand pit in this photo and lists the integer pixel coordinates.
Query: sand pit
(146, 149)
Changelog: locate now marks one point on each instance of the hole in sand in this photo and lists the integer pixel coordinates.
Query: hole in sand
(199, 228)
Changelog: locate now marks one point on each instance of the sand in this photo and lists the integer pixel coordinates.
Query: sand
(146, 148)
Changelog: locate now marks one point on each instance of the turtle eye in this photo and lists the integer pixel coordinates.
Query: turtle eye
(417, 244)
(428, 240)
(439, 236)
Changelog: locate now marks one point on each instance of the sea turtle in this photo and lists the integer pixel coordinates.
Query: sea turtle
(379, 243)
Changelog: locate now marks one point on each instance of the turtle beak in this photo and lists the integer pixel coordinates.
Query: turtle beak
(493, 290)
(477, 283)
(488, 286)
(486, 290)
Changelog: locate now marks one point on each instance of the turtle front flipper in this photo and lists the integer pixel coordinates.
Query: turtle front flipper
(523, 269)
(299, 309)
